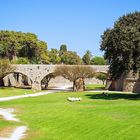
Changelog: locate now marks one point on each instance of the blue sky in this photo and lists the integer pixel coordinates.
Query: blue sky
(76, 23)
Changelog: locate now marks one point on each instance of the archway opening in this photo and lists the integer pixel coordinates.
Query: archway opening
(17, 80)
(52, 82)
(45, 81)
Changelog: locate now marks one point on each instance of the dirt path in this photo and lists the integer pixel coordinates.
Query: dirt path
(26, 96)
(19, 132)
(8, 114)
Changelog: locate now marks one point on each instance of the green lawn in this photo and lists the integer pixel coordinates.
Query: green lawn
(95, 87)
(96, 117)
(5, 92)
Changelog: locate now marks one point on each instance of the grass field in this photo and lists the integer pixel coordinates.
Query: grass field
(5, 92)
(95, 87)
(96, 117)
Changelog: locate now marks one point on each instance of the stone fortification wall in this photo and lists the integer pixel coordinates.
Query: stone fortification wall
(126, 83)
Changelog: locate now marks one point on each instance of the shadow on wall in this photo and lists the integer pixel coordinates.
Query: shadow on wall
(114, 96)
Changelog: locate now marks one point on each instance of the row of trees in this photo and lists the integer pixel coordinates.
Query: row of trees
(24, 48)
(27, 46)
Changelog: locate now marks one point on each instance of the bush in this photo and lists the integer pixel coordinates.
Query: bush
(21, 60)
(97, 60)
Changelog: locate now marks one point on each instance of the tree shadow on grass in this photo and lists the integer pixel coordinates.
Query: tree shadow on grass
(114, 96)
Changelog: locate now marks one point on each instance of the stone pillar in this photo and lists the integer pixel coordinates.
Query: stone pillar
(36, 85)
(29, 81)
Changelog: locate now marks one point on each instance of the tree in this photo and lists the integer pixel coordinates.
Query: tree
(17, 44)
(97, 60)
(33, 49)
(87, 57)
(20, 60)
(75, 74)
(63, 49)
(102, 77)
(9, 43)
(121, 45)
(54, 56)
(70, 58)
(5, 69)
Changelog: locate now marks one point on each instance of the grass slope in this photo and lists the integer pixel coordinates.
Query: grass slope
(96, 117)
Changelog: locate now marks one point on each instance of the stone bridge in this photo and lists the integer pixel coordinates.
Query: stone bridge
(37, 72)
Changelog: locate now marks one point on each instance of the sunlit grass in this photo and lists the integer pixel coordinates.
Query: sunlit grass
(95, 86)
(100, 117)
(5, 92)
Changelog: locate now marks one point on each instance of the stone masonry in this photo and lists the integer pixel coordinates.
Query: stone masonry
(37, 72)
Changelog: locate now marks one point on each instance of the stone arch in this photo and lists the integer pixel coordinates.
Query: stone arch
(104, 82)
(37, 72)
(23, 73)
(17, 79)
(46, 79)
(57, 82)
